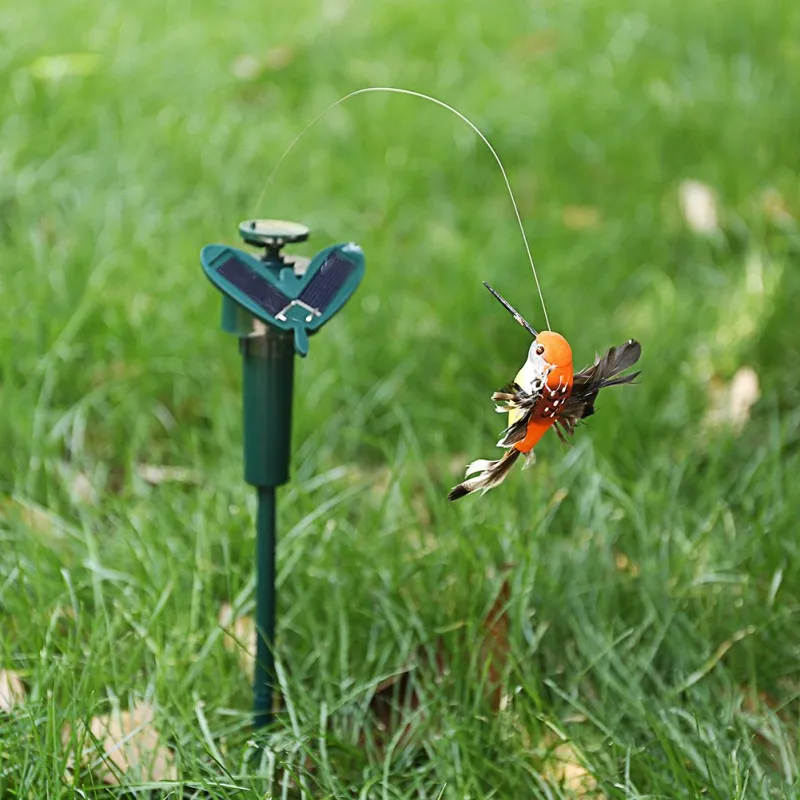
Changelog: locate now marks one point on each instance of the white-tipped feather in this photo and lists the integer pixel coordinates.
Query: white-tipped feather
(485, 481)
(490, 474)
(481, 465)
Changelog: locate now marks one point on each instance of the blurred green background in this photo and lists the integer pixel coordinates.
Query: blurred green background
(655, 586)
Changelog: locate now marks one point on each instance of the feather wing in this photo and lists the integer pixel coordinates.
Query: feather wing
(606, 371)
(520, 404)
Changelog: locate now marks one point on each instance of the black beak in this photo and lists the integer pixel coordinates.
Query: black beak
(517, 316)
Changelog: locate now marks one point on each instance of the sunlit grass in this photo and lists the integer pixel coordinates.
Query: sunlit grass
(655, 582)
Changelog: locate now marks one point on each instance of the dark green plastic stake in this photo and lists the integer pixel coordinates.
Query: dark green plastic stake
(272, 304)
(267, 381)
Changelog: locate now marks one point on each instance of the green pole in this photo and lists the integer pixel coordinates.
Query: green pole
(272, 304)
(268, 376)
(263, 678)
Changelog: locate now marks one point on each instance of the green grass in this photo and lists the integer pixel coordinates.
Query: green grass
(639, 552)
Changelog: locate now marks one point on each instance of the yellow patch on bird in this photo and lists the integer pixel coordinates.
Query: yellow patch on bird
(514, 415)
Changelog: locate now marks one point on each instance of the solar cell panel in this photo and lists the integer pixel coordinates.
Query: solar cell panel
(331, 276)
(253, 285)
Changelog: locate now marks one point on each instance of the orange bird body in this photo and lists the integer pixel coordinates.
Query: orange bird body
(555, 391)
(545, 393)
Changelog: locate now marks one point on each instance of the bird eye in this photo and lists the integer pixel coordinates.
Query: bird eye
(539, 349)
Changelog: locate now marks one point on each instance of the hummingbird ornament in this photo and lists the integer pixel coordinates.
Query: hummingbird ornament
(545, 394)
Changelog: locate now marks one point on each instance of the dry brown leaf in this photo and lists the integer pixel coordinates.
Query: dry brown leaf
(240, 637)
(156, 474)
(126, 743)
(730, 404)
(775, 207)
(334, 10)
(534, 45)
(580, 217)
(495, 647)
(12, 691)
(754, 701)
(698, 206)
(571, 772)
(248, 68)
(40, 522)
(743, 395)
(764, 713)
(279, 57)
(397, 698)
(564, 767)
(81, 490)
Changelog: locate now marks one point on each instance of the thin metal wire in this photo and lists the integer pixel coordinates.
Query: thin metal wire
(442, 104)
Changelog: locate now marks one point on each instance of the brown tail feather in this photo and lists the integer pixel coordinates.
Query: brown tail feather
(490, 474)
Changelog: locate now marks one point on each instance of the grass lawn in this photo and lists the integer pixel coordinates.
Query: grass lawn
(653, 599)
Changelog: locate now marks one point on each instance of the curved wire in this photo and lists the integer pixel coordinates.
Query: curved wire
(442, 104)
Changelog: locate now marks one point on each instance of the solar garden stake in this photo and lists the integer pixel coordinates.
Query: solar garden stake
(272, 304)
